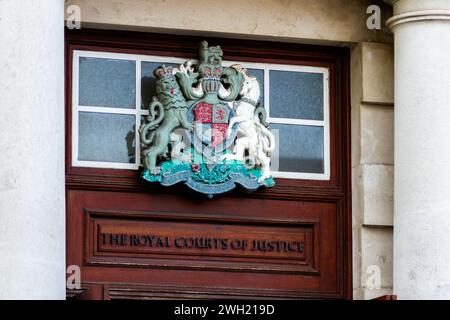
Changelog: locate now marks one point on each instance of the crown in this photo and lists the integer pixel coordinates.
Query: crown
(163, 72)
(213, 73)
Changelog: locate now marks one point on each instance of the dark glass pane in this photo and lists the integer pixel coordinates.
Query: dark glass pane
(296, 95)
(259, 74)
(300, 148)
(106, 137)
(107, 83)
(148, 82)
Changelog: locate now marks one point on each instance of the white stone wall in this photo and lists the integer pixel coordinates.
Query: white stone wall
(32, 209)
(372, 168)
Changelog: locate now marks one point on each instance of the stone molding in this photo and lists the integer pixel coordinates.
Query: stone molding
(414, 16)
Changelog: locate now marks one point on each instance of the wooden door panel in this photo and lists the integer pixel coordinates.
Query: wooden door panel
(111, 216)
(287, 247)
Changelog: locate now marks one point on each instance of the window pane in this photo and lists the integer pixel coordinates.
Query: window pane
(296, 95)
(106, 137)
(300, 148)
(148, 82)
(107, 83)
(259, 74)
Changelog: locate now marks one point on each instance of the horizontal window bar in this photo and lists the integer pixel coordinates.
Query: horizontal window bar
(317, 123)
(107, 110)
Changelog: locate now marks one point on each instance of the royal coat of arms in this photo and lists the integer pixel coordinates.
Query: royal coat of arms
(206, 128)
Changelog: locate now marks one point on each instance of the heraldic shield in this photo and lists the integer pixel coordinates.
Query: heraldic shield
(206, 128)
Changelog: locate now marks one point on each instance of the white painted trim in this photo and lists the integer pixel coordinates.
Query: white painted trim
(326, 118)
(126, 56)
(276, 67)
(314, 123)
(112, 110)
(138, 112)
(107, 165)
(75, 89)
(137, 140)
(299, 175)
(267, 92)
(106, 110)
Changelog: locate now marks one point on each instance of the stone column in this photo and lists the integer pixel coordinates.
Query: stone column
(32, 209)
(422, 149)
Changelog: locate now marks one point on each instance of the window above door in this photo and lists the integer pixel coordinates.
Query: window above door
(111, 92)
(110, 84)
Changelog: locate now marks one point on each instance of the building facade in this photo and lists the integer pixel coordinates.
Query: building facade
(373, 217)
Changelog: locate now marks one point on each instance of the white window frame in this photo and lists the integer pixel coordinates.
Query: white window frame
(138, 112)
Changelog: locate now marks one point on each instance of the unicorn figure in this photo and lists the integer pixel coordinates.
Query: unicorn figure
(252, 136)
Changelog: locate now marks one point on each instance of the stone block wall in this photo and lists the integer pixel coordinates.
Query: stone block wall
(372, 84)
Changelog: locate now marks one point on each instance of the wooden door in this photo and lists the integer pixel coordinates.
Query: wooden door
(291, 241)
